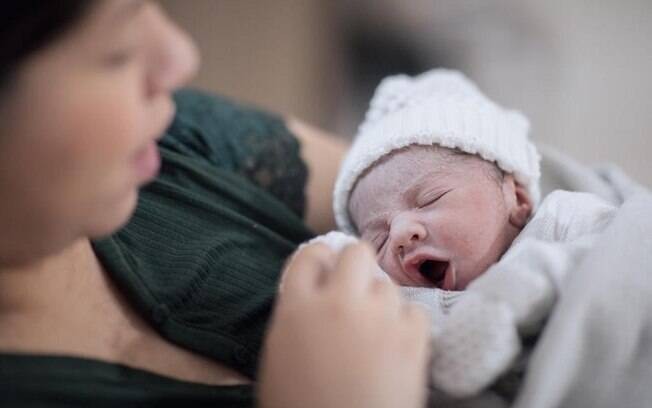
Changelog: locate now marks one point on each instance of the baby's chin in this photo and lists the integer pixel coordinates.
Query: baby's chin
(397, 277)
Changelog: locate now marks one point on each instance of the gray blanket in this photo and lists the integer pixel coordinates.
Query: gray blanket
(596, 350)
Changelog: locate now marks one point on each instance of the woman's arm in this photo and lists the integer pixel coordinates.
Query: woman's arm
(322, 152)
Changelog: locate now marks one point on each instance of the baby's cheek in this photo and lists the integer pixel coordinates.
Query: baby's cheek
(389, 267)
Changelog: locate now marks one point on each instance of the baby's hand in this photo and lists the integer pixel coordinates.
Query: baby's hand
(336, 241)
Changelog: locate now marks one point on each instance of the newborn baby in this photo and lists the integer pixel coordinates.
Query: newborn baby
(439, 178)
(444, 183)
(437, 217)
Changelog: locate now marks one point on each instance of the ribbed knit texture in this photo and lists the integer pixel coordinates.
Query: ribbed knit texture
(202, 256)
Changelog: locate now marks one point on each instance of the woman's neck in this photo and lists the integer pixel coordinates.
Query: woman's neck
(49, 284)
(53, 305)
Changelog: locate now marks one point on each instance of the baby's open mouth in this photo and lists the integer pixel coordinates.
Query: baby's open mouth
(434, 271)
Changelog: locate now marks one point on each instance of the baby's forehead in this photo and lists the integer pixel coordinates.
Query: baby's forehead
(395, 176)
(402, 168)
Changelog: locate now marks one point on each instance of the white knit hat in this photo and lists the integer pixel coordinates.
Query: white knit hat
(439, 107)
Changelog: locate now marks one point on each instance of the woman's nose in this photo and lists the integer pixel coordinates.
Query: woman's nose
(405, 232)
(174, 56)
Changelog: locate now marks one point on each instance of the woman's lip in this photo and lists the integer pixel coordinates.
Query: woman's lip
(148, 159)
(147, 162)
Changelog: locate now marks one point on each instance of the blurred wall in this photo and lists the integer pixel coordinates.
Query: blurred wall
(587, 89)
(579, 69)
(277, 54)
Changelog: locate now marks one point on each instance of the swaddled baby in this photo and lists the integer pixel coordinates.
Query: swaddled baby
(437, 217)
(444, 183)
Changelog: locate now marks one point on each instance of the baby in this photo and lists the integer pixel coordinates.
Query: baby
(444, 217)
(444, 183)
(440, 179)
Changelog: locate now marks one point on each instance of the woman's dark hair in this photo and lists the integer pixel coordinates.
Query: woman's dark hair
(29, 25)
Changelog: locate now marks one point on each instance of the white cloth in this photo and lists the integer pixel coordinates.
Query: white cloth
(596, 349)
(515, 295)
(476, 333)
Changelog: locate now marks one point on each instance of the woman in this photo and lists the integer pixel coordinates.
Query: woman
(114, 295)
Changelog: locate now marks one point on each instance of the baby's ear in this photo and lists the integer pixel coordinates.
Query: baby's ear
(519, 202)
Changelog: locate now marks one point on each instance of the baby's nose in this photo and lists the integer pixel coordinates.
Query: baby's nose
(406, 231)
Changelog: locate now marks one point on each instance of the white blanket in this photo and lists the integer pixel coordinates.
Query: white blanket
(596, 349)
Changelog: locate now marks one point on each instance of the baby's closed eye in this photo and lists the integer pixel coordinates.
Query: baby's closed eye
(379, 240)
(430, 197)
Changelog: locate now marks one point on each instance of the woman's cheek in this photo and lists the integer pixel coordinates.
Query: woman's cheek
(104, 120)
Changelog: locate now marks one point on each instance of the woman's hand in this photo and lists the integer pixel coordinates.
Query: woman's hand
(341, 338)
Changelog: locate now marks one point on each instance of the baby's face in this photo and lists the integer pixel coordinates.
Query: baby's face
(433, 222)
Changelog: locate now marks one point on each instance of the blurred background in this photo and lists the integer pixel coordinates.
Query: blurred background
(579, 69)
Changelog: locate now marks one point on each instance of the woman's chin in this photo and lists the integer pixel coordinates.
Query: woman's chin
(115, 217)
